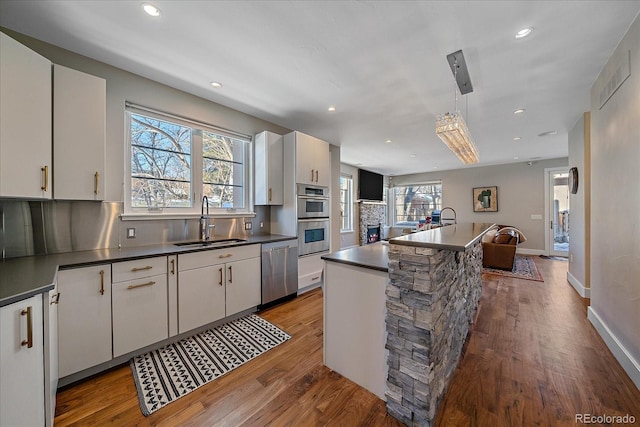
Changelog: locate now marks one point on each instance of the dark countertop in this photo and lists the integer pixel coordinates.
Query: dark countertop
(373, 256)
(454, 237)
(23, 277)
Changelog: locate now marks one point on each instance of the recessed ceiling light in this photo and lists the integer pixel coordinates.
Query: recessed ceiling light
(519, 111)
(516, 158)
(524, 32)
(217, 85)
(331, 109)
(517, 138)
(151, 9)
(388, 141)
(548, 133)
(412, 156)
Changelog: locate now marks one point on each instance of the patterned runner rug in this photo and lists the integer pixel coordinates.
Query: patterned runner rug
(166, 374)
(524, 267)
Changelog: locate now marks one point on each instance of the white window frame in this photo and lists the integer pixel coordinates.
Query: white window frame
(348, 204)
(133, 213)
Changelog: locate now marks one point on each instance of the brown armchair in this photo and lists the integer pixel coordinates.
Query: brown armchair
(499, 247)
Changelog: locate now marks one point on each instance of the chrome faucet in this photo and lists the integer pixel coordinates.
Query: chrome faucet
(205, 226)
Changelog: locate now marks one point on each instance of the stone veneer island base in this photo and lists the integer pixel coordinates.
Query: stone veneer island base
(433, 292)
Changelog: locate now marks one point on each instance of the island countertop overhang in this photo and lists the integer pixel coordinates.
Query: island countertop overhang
(455, 237)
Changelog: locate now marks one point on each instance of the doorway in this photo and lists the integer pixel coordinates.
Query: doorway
(557, 211)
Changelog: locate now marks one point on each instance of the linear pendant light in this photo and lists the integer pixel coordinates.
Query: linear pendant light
(450, 127)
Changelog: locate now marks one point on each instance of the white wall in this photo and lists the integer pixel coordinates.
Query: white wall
(520, 195)
(580, 228)
(615, 208)
(124, 86)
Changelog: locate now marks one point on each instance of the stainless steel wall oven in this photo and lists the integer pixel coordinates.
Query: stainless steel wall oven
(313, 219)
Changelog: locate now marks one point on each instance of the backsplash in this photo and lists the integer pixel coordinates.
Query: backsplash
(46, 227)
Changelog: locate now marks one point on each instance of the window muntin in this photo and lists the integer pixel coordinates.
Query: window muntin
(160, 164)
(414, 202)
(346, 203)
(174, 162)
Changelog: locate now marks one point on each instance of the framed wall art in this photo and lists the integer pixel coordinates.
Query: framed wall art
(485, 199)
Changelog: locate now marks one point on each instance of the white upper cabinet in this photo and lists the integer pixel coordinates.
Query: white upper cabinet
(269, 169)
(25, 121)
(79, 135)
(313, 162)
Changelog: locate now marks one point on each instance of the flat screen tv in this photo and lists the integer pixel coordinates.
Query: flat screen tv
(370, 185)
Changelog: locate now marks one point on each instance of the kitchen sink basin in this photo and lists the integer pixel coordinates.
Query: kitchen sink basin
(210, 243)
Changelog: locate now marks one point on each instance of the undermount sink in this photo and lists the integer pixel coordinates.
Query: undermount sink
(207, 243)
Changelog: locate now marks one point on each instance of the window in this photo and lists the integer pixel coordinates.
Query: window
(160, 164)
(175, 162)
(346, 203)
(414, 202)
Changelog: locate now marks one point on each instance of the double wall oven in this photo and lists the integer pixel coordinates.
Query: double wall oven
(313, 219)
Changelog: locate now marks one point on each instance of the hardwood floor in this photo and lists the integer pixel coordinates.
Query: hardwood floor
(532, 358)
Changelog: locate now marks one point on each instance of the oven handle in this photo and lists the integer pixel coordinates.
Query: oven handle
(321, 219)
(313, 197)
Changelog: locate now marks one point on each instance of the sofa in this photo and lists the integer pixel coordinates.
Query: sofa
(499, 247)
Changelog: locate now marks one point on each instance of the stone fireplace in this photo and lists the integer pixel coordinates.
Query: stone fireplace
(372, 218)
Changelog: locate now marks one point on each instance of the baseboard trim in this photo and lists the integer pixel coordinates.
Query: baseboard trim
(579, 287)
(530, 251)
(310, 288)
(629, 364)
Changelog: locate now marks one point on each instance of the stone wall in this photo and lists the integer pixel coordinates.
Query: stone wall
(431, 301)
(371, 213)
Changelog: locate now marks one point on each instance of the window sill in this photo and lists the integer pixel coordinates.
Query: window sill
(163, 216)
(347, 231)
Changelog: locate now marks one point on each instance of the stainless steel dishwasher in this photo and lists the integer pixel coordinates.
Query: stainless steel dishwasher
(279, 270)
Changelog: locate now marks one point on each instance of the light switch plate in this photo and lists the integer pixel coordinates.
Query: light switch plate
(131, 233)
(248, 225)
(536, 216)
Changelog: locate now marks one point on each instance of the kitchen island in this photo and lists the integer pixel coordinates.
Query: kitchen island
(416, 315)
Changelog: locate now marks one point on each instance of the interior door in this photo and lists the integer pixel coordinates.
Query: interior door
(558, 212)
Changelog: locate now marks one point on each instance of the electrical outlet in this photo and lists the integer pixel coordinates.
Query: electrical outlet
(248, 225)
(131, 233)
(261, 224)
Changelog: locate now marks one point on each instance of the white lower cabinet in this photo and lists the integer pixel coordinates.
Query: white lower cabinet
(50, 306)
(22, 367)
(84, 318)
(243, 285)
(217, 283)
(201, 296)
(139, 304)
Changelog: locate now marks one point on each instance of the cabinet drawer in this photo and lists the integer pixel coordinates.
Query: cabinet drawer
(138, 269)
(140, 313)
(217, 256)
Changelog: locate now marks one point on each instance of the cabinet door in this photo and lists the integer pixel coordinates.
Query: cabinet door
(305, 166)
(322, 163)
(172, 293)
(25, 121)
(50, 306)
(201, 296)
(140, 316)
(22, 367)
(243, 285)
(269, 169)
(84, 318)
(79, 118)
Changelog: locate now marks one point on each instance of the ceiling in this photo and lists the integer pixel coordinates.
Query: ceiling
(382, 64)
